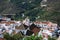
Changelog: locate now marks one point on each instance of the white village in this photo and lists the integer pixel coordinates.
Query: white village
(27, 28)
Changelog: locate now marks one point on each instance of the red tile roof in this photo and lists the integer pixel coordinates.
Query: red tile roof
(1, 38)
(36, 30)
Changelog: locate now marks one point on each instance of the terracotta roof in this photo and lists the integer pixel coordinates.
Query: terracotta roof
(7, 22)
(1, 38)
(45, 22)
(42, 22)
(36, 30)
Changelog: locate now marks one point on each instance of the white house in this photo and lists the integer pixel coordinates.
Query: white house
(26, 22)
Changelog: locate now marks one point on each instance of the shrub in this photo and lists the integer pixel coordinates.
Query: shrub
(33, 38)
(13, 37)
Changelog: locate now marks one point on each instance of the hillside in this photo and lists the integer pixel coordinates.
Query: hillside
(6, 7)
(31, 9)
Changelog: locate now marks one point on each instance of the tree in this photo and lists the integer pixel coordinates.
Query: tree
(13, 37)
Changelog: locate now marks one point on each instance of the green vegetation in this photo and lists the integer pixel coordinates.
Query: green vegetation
(13, 37)
(31, 9)
(19, 37)
(33, 38)
(49, 38)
